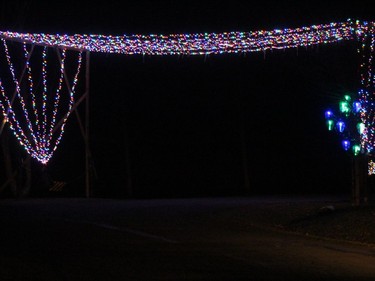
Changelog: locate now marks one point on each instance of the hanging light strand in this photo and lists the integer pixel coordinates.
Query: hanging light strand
(366, 91)
(18, 90)
(71, 103)
(57, 95)
(198, 43)
(42, 136)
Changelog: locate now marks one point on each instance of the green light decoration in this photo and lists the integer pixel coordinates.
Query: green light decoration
(348, 124)
(361, 128)
(330, 124)
(356, 149)
(345, 107)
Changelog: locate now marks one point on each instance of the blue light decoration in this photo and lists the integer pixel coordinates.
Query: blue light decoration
(340, 125)
(328, 114)
(356, 106)
(346, 144)
(348, 124)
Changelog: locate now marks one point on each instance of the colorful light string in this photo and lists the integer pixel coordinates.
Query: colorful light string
(367, 89)
(37, 138)
(40, 137)
(199, 43)
(371, 167)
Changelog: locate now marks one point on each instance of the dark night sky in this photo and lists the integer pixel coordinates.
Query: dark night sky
(182, 116)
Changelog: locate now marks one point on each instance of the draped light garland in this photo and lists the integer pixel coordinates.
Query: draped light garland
(39, 144)
(31, 122)
(199, 43)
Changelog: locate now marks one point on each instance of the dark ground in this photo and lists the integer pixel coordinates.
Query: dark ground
(337, 219)
(263, 238)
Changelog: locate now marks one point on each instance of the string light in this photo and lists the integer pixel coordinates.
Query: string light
(199, 43)
(371, 168)
(366, 91)
(37, 137)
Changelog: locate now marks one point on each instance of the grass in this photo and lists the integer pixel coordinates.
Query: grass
(344, 222)
(327, 219)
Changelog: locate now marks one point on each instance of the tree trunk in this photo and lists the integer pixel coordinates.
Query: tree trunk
(19, 179)
(24, 182)
(359, 180)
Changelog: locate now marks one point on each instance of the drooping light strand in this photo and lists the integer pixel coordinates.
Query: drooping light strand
(198, 43)
(18, 91)
(57, 95)
(9, 116)
(71, 103)
(31, 86)
(42, 136)
(44, 95)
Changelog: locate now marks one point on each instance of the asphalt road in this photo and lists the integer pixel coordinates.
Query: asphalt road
(179, 239)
